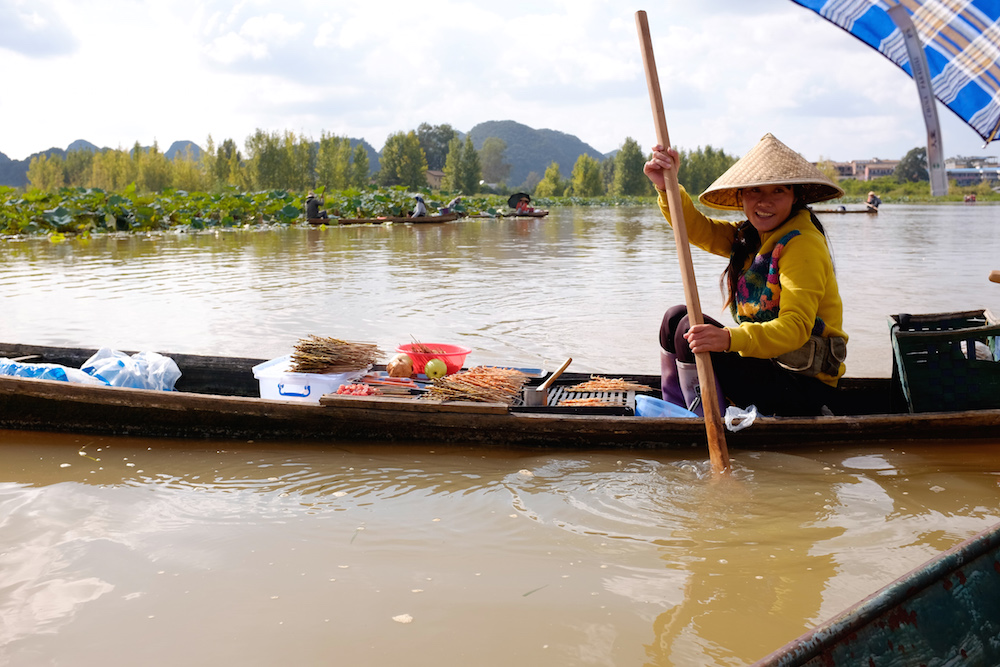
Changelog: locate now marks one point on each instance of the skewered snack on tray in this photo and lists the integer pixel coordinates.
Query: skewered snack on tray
(598, 383)
(482, 384)
(593, 401)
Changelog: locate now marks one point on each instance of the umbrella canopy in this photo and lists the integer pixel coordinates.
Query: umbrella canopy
(961, 41)
(516, 197)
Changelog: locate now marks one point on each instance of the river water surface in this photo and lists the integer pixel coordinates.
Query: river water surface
(159, 552)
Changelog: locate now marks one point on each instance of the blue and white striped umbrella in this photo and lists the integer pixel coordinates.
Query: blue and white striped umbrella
(961, 41)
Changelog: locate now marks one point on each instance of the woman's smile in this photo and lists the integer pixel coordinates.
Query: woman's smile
(767, 206)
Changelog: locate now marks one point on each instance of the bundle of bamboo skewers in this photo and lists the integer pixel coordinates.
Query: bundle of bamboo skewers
(317, 354)
(482, 384)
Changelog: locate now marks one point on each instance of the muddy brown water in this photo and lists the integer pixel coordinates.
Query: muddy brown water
(164, 552)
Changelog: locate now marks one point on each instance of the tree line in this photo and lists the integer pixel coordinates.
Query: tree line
(288, 161)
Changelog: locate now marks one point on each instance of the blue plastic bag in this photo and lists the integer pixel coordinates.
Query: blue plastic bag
(647, 406)
(46, 372)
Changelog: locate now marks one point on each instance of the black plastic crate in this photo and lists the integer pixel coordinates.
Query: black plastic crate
(946, 361)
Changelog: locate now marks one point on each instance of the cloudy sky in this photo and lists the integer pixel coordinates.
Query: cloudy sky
(115, 72)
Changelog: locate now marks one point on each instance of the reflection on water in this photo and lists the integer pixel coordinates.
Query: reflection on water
(590, 283)
(111, 549)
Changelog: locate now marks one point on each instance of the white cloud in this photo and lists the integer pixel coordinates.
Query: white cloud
(729, 71)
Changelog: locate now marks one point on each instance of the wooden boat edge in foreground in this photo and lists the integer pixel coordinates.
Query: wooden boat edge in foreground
(943, 612)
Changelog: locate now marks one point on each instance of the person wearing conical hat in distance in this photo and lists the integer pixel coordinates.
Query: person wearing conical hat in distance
(786, 352)
(420, 210)
(873, 202)
(312, 207)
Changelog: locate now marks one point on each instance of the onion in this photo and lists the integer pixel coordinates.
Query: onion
(400, 366)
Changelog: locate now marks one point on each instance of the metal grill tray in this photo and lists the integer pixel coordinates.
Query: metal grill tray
(621, 403)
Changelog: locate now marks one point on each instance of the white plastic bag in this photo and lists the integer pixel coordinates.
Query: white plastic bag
(738, 419)
(144, 370)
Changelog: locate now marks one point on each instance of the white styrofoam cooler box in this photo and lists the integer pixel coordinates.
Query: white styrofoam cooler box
(277, 381)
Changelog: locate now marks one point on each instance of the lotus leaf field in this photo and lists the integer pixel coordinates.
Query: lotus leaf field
(86, 211)
(90, 211)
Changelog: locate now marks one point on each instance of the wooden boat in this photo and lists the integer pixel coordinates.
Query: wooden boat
(447, 217)
(825, 211)
(218, 397)
(533, 214)
(945, 612)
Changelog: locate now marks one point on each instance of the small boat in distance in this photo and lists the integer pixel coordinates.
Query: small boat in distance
(501, 214)
(825, 211)
(448, 217)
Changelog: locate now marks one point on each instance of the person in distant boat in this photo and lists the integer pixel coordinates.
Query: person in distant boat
(523, 205)
(873, 201)
(450, 208)
(786, 353)
(420, 210)
(312, 207)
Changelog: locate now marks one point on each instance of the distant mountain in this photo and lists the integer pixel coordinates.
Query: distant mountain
(15, 172)
(81, 145)
(178, 147)
(530, 150)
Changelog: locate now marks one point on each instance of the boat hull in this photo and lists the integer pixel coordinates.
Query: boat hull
(447, 217)
(945, 612)
(218, 397)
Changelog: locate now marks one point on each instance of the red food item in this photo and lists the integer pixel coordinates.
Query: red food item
(358, 390)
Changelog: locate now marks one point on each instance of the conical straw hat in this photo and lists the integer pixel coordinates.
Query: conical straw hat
(770, 162)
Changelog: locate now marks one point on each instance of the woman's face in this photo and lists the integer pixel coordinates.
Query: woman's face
(767, 206)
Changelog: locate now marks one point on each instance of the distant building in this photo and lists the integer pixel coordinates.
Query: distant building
(434, 178)
(865, 170)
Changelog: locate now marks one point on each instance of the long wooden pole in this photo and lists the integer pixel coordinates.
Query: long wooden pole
(718, 453)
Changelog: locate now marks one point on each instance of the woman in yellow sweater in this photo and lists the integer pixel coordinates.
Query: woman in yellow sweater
(787, 351)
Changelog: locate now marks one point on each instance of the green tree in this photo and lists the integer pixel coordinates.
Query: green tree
(268, 165)
(491, 157)
(472, 172)
(78, 167)
(46, 172)
(403, 161)
(629, 179)
(586, 177)
(913, 167)
(187, 173)
(434, 139)
(700, 168)
(333, 161)
(113, 170)
(359, 167)
(608, 174)
(155, 173)
(552, 184)
(453, 167)
(300, 162)
(210, 161)
(227, 162)
(531, 182)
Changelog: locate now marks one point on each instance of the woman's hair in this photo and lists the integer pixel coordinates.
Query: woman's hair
(747, 243)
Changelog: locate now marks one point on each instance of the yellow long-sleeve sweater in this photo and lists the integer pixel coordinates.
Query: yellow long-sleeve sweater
(787, 292)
